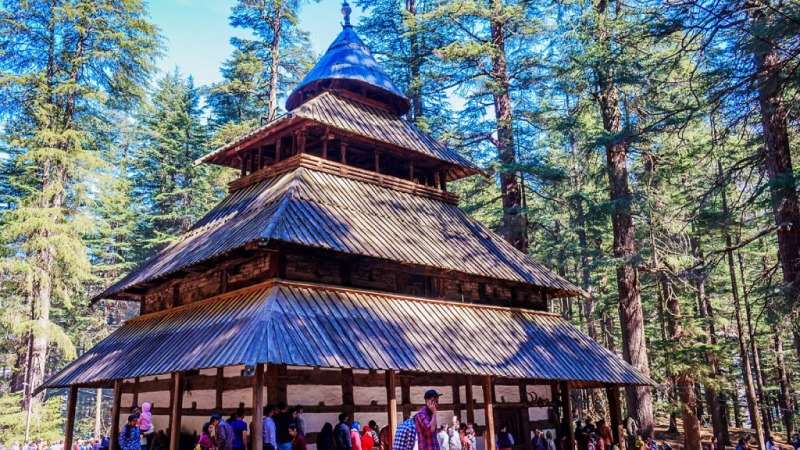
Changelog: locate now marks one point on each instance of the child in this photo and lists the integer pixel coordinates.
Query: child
(145, 419)
(146, 428)
(205, 441)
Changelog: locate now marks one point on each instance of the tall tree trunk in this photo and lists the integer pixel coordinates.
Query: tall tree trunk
(752, 400)
(513, 224)
(683, 379)
(634, 347)
(718, 420)
(759, 375)
(784, 398)
(415, 65)
(777, 156)
(275, 57)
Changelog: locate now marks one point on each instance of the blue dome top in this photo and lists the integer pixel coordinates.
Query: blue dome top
(349, 62)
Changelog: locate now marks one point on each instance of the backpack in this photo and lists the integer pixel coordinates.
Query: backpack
(406, 436)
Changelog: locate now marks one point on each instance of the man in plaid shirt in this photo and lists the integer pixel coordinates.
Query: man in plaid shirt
(406, 436)
(425, 420)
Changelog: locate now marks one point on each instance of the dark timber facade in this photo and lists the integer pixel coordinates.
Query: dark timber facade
(340, 274)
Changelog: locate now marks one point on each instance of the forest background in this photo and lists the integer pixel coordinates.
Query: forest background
(641, 149)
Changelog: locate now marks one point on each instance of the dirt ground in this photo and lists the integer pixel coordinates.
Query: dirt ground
(676, 439)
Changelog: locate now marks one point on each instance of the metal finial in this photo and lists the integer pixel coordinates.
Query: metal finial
(346, 10)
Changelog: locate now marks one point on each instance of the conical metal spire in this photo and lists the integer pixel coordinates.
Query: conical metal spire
(348, 65)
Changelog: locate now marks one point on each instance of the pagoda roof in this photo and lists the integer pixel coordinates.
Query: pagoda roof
(349, 63)
(300, 324)
(343, 112)
(312, 208)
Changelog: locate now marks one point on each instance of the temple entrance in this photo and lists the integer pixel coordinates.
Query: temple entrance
(513, 419)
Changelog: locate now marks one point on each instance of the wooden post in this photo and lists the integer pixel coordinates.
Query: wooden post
(343, 150)
(470, 401)
(176, 403)
(377, 162)
(136, 383)
(391, 401)
(301, 141)
(72, 401)
(272, 384)
(98, 413)
(277, 150)
(262, 157)
(488, 409)
(258, 408)
(115, 410)
(526, 417)
(566, 402)
(348, 400)
(443, 180)
(615, 410)
(411, 171)
(219, 386)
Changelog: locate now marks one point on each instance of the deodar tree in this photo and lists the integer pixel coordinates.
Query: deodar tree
(63, 63)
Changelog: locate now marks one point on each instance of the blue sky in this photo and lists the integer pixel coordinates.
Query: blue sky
(197, 33)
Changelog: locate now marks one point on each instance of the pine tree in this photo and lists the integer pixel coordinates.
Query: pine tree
(64, 63)
(274, 60)
(172, 192)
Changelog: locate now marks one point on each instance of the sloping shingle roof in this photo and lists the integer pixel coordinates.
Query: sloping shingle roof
(301, 324)
(350, 115)
(321, 210)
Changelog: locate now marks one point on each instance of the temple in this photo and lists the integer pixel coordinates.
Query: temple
(340, 274)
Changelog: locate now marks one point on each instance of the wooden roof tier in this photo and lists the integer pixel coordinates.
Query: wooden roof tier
(312, 205)
(332, 327)
(341, 111)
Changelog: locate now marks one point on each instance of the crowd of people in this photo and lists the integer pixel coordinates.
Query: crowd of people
(284, 428)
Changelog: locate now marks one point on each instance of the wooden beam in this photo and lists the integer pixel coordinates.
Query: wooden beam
(488, 408)
(176, 405)
(470, 401)
(72, 401)
(391, 400)
(115, 411)
(258, 408)
(615, 411)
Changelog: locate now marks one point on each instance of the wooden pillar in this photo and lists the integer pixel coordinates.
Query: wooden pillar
(277, 150)
(615, 410)
(377, 162)
(98, 413)
(348, 400)
(72, 401)
(443, 180)
(115, 411)
(526, 418)
(566, 403)
(136, 386)
(176, 404)
(455, 386)
(391, 401)
(272, 384)
(301, 142)
(343, 152)
(488, 409)
(258, 408)
(411, 171)
(470, 401)
(219, 385)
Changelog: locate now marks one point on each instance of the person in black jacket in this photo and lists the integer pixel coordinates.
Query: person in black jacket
(341, 436)
(282, 421)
